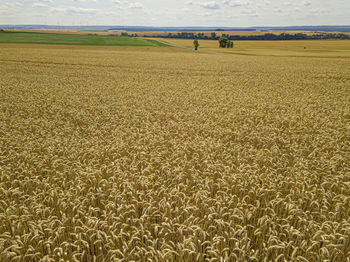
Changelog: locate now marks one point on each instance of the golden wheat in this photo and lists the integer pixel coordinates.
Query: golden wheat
(158, 154)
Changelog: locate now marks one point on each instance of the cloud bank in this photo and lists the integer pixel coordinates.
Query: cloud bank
(176, 13)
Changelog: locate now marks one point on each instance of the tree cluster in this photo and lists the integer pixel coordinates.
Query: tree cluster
(131, 35)
(224, 42)
(267, 36)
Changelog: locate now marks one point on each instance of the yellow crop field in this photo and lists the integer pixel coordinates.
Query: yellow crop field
(299, 48)
(166, 154)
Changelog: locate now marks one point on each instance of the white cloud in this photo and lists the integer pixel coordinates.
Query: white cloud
(10, 7)
(85, 1)
(40, 5)
(233, 3)
(210, 5)
(251, 13)
(237, 3)
(75, 10)
(206, 14)
(136, 5)
(119, 4)
(319, 11)
(175, 13)
(306, 2)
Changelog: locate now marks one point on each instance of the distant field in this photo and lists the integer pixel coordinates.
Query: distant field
(311, 48)
(73, 39)
(94, 31)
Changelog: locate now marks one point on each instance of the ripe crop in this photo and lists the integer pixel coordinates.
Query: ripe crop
(297, 48)
(160, 154)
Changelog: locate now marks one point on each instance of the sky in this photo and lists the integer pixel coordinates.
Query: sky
(231, 13)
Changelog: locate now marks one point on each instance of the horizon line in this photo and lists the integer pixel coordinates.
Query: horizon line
(257, 26)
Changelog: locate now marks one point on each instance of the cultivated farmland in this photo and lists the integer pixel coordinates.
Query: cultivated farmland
(72, 39)
(298, 48)
(164, 154)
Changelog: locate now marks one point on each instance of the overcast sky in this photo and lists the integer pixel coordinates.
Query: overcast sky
(176, 13)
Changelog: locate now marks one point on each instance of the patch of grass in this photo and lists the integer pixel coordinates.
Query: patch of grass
(73, 39)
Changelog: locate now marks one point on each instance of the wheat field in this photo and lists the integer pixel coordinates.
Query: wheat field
(290, 48)
(164, 154)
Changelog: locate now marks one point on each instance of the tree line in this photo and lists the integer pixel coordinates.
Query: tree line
(267, 36)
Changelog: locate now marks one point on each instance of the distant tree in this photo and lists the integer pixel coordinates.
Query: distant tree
(223, 42)
(196, 44)
(200, 36)
(231, 45)
(213, 35)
